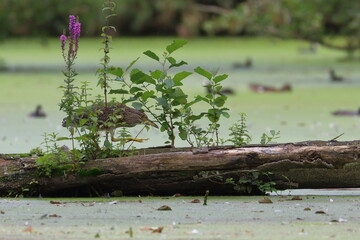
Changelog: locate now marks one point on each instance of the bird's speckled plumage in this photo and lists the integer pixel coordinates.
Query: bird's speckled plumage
(113, 116)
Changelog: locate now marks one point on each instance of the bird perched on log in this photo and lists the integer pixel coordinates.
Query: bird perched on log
(110, 117)
(334, 77)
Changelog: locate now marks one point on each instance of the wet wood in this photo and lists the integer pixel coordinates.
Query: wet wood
(166, 171)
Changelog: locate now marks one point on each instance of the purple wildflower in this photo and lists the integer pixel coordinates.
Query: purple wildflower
(63, 38)
(63, 42)
(77, 30)
(72, 21)
(72, 40)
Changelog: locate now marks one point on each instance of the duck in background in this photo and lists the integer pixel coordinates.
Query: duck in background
(224, 91)
(243, 65)
(311, 49)
(38, 113)
(334, 77)
(346, 113)
(259, 88)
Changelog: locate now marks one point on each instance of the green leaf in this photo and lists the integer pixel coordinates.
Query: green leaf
(169, 83)
(164, 126)
(152, 55)
(134, 90)
(225, 114)
(220, 78)
(63, 138)
(131, 64)
(163, 102)
(83, 121)
(176, 44)
(137, 105)
(201, 98)
(179, 97)
(196, 117)
(256, 175)
(178, 64)
(182, 134)
(179, 93)
(107, 144)
(147, 95)
(213, 115)
(180, 76)
(203, 72)
(196, 100)
(171, 60)
(138, 77)
(118, 91)
(219, 101)
(157, 74)
(117, 71)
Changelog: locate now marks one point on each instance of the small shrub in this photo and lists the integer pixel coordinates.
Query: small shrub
(239, 132)
(266, 139)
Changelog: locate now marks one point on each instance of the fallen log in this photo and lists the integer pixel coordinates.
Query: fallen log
(166, 171)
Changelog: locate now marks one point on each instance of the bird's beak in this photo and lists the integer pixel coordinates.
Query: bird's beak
(150, 123)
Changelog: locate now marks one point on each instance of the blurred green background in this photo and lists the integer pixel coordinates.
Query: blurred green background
(288, 41)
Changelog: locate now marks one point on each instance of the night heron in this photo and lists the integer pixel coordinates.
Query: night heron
(109, 118)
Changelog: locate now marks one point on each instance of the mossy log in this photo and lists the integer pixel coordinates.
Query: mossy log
(166, 171)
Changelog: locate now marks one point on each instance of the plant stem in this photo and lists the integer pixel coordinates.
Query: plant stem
(106, 61)
(73, 147)
(206, 197)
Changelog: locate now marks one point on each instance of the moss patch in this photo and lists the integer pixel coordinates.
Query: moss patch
(89, 172)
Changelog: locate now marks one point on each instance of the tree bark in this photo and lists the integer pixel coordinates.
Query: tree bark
(166, 171)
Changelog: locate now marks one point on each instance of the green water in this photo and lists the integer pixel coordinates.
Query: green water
(303, 114)
(222, 218)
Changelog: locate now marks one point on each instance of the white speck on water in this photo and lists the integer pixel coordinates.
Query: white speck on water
(195, 231)
(342, 220)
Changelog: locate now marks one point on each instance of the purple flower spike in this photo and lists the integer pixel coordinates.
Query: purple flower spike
(72, 41)
(72, 21)
(77, 30)
(63, 42)
(63, 38)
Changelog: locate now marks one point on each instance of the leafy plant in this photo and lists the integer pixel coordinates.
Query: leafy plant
(36, 151)
(69, 49)
(78, 103)
(265, 138)
(108, 10)
(252, 181)
(54, 157)
(160, 94)
(50, 163)
(216, 101)
(239, 132)
(211, 175)
(157, 90)
(247, 183)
